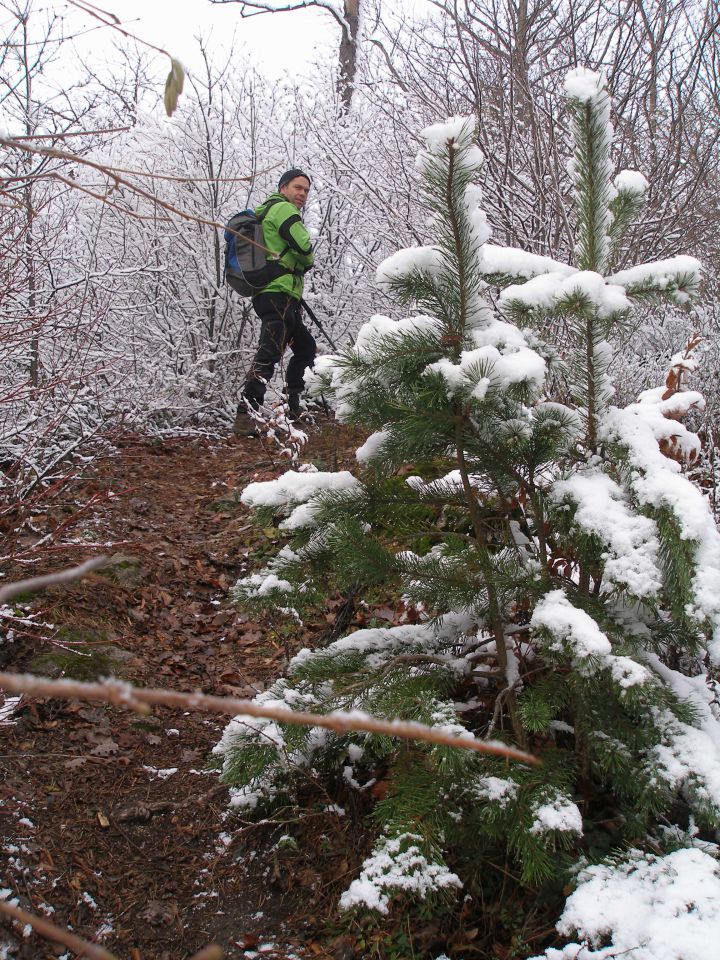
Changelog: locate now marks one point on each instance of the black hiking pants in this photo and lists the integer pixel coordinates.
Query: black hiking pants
(281, 326)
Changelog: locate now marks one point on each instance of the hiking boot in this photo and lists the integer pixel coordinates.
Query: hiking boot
(244, 425)
(293, 402)
(317, 405)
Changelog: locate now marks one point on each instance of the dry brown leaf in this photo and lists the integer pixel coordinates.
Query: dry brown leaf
(173, 86)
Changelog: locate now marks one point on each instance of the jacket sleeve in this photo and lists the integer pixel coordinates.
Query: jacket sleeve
(293, 232)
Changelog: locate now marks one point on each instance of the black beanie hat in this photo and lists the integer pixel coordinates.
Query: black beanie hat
(290, 175)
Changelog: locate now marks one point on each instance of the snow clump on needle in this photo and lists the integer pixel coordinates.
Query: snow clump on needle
(650, 907)
(632, 548)
(584, 85)
(559, 814)
(294, 487)
(396, 864)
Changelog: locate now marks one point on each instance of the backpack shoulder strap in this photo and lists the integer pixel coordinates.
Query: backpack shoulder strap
(268, 205)
(261, 217)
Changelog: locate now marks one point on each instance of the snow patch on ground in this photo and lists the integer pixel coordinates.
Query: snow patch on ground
(650, 907)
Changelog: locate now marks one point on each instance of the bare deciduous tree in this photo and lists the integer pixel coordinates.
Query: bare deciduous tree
(504, 61)
(345, 13)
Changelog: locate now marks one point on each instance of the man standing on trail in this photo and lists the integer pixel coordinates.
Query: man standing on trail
(278, 304)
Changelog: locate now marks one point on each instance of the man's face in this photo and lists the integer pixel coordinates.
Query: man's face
(296, 191)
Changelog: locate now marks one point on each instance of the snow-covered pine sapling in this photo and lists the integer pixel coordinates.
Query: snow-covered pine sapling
(562, 565)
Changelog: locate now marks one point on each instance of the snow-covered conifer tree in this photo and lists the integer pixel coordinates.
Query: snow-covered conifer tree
(559, 572)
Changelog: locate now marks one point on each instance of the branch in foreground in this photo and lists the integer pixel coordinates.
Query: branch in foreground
(83, 948)
(50, 932)
(19, 143)
(50, 579)
(136, 698)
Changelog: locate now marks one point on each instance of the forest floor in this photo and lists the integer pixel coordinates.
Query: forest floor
(111, 823)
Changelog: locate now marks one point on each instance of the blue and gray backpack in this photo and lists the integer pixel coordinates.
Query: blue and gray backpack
(247, 267)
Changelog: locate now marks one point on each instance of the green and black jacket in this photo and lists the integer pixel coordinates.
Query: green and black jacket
(285, 235)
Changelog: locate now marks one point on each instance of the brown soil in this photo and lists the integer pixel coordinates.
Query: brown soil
(111, 823)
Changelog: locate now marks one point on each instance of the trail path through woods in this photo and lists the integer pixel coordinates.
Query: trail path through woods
(111, 823)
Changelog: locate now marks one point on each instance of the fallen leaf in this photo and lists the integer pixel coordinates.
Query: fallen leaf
(142, 812)
(92, 714)
(230, 690)
(159, 912)
(383, 613)
(77, 762)
(105, 748)
(247, 941)
(340, 870)
(380, 789)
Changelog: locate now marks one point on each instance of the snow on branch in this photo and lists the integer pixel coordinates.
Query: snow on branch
(296, 487)
(630, 540)
(557, 291)
(658, 483)
(396, 864)
(516, 264)
(679, 276)
(573, 631)
(586, 86)
(134, 698)
(395, 269)
(631, 182)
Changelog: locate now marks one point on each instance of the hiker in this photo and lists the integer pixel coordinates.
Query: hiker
(278, 304)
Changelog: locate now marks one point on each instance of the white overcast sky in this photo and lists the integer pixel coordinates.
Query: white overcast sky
(276, 41)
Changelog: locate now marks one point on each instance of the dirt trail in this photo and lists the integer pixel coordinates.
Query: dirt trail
(110, 821)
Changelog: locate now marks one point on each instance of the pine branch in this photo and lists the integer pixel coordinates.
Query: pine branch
(496, 619)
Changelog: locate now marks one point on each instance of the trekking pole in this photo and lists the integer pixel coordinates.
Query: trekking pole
(317, 323)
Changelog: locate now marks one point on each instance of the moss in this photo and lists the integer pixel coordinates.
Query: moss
(224, 505)
(125, 570)
(90, 661)
(20, 599)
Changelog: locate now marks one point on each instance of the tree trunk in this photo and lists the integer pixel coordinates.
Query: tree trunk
(348, 51)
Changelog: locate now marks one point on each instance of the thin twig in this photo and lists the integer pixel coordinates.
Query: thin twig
(186, 179)
(50, 579)
(109, 19)
(48, 930)
(134, 698)
(411, 659)
(68, 134)
(481, 655)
